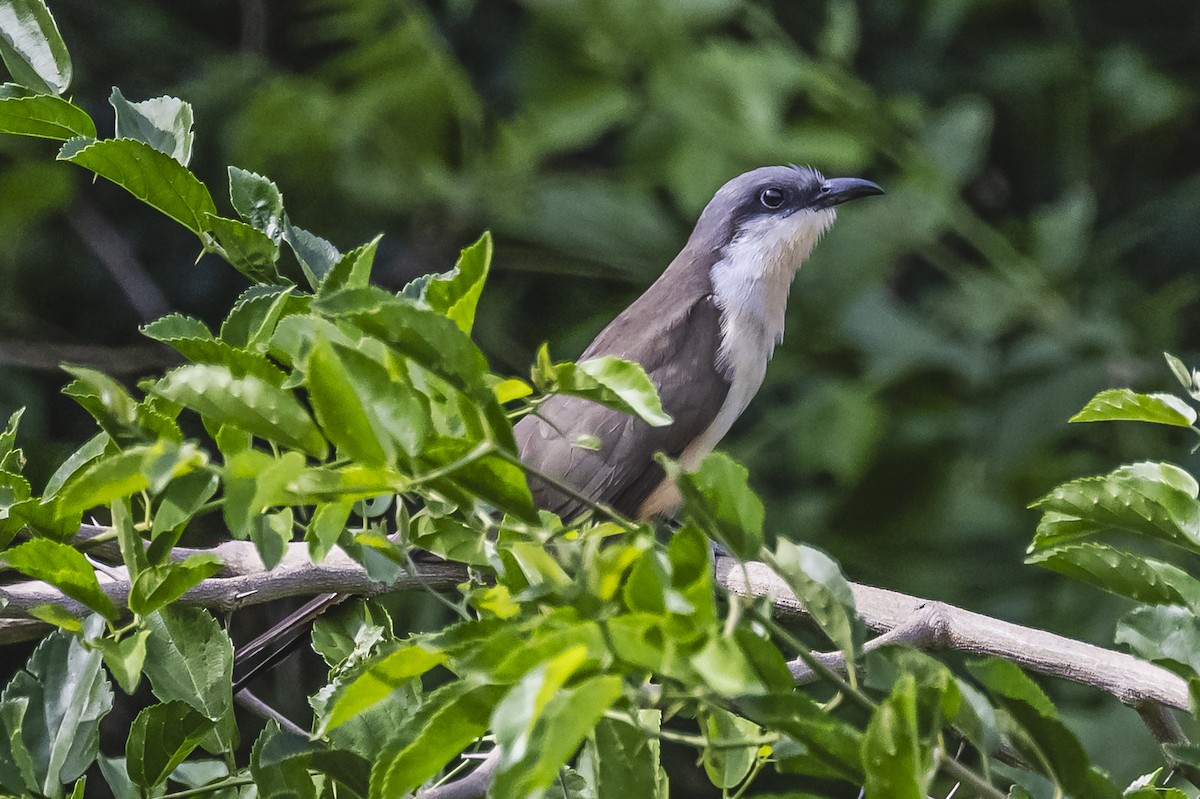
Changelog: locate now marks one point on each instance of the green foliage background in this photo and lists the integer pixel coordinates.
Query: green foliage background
(1038, 242)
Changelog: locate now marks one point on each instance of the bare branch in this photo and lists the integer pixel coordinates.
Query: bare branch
(937, 625)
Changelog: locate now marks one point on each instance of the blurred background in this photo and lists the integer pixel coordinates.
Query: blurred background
(1039, 240)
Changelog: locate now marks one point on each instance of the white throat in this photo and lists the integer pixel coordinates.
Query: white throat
(750, 286)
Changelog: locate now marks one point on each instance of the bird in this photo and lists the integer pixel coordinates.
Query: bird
(703, 332)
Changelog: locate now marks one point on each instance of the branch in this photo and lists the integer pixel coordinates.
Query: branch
(245, 581)
(927, 624)
(917, 622)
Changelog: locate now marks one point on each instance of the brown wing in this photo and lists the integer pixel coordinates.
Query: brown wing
(677, 347)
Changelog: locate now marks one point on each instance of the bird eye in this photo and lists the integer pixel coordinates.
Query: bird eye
(771, 198)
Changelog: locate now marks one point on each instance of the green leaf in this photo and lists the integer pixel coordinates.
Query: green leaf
(317, 256)
(255, 481)
(428, 338)
(1166, 634)
(271, 533)
(350, 419)
(449, 720)
(57, 615)
(126, 472)
(289, 750)
(518, 712)
(817, 581)
(160, 738)
(1005, 679)
(1157, 500)
(727, 765)
(91, 449)
(717, 496)
(569, 717)
(246, 248)
(44, 116)
(161, 585)
(153, 177)
(190, 658)
(125, 658)
(193, 340)
(247, 402)
(379, 680)
(456, 293)
(179, 502)
(1123, 405)
(164, 123)
(32, 48)
(894, 763)
(352, 270)
(345, 636)
(51, 712)
(65, 568)
(328, 523)
(615, 383)
(1122, 573)
(113, 407)
(832, 743)
(279, 777)
(624, 760)
(258, 202)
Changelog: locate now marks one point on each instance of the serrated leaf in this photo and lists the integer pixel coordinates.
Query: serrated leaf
(32, 48)
(348, 418)
(569, 717)
(192, 340)
(289, 750)
(450, 718)
(894, 762)
(624, 760)
(352, 270)
(164, 123)
(317, 256)
(327, 525)
(125, 658)
(379, 680)
(718, 498)
(613, 382)
(52, 711)
(190, 658)
(456, 293)
(153, 177)
(817, 581)
(271, 533)
(163, 584)
(428, 338)
(1157, 500)
(63, 567)
(124, 473)
(1123, 573)
(727, 765)
(257, 201)
(44, 116)
(1122, 404)
(1165, 634)
(284, 778)
(160, 738)
(246, 248)
(90, 450)
(516, 714)
(57, 615)
(833, 743)
(247, 402)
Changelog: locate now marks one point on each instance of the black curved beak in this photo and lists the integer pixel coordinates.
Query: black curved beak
(836, 191)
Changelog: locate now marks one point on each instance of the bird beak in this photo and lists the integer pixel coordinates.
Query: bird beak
(836, 191)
